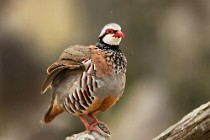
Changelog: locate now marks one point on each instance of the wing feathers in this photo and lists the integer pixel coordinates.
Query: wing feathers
(71, 59)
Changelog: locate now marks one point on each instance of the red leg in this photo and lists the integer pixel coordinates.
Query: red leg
(89, 127)
(93, 118)
(82, 118)
(95, 121)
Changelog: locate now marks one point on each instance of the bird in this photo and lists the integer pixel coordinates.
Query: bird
(87, 80)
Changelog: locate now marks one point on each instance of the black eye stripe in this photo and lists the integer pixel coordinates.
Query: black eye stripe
(110, 31)
(114, 31)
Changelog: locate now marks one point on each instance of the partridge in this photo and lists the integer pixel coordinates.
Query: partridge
(86, 80)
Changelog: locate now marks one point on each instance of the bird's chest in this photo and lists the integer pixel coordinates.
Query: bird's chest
(105, 72)
(104, 68)
(108, 73)
(108, 63)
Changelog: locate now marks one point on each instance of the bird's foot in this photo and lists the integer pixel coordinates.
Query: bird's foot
(93, 128)
(96, 126)
(101, 126)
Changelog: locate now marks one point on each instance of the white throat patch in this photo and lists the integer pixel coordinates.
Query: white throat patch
(109, 39)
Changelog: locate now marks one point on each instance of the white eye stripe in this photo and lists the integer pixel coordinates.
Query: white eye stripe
(113, 26)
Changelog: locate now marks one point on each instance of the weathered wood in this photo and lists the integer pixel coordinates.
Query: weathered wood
(194, 126)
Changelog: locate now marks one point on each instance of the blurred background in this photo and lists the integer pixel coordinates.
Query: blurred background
(167, 45)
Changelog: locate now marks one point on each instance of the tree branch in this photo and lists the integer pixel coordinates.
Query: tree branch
(194, 126)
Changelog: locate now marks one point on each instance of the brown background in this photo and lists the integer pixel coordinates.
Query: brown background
(167, 45)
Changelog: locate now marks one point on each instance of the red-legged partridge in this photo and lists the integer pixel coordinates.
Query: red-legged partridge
(86, 80)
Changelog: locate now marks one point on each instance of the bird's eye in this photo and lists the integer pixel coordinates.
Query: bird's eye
(109, 31)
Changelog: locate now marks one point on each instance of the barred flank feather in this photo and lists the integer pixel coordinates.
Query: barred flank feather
(79, 101)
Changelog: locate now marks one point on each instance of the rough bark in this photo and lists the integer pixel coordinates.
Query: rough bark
(194, 126)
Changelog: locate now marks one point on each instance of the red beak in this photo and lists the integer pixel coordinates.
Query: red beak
(119, 34)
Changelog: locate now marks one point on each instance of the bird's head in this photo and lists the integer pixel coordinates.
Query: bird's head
(111, 34)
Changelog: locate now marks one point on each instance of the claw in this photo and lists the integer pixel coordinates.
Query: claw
(100, 124)
(103, 127)
(95, 129)
(95, 126)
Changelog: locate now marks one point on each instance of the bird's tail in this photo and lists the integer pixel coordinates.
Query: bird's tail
(53, 110)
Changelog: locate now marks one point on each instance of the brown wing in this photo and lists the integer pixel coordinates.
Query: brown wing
(70, 59)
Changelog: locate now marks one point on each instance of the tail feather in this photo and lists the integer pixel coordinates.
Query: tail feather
(54, 109)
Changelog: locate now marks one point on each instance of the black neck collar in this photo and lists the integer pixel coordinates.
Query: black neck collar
(104, 46)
